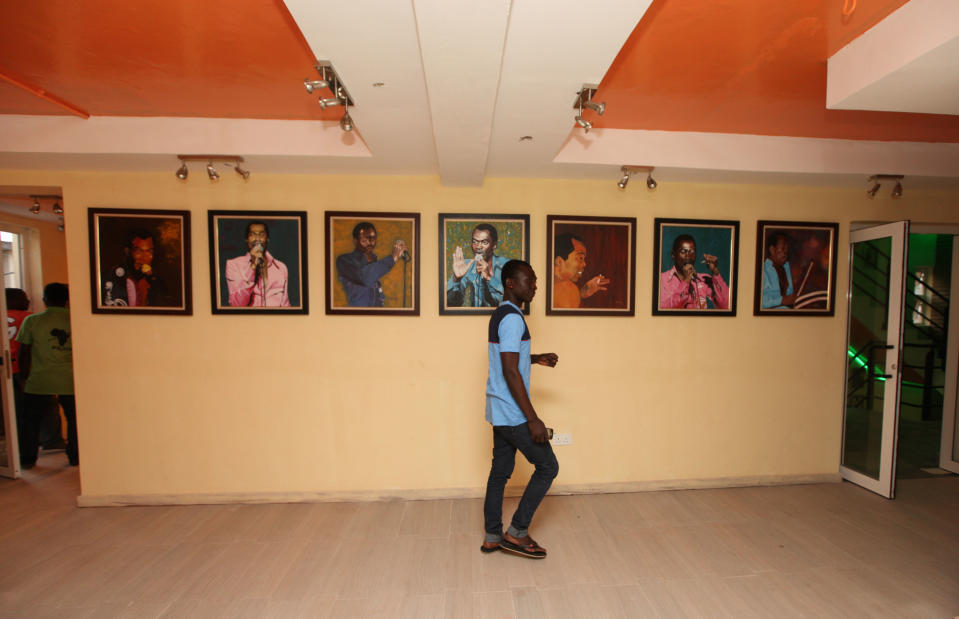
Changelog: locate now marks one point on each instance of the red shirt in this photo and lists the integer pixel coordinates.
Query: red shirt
(14, 320)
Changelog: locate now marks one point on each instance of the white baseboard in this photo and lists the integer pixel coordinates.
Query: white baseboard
(111, 500)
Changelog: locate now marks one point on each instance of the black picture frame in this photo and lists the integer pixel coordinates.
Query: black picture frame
(235, 286)
(606, 285)
(706, 295)
(809, 271)
(471, 295)
(399, 285)
(140, 261)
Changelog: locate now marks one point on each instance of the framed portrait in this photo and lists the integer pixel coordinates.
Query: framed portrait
(140, 261)
(795, 268)
(695, 262)
(473, 250)
(373, 263)
(591, 265)
(258, 262)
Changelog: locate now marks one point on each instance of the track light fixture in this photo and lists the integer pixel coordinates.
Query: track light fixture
(36, 207)
(629, 170)
(584, 99)
(233, 161)
(329, 79)
(876, 180)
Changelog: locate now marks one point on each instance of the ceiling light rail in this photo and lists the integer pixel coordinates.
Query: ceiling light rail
(877, 179)
(232, 161)
(584, 99)
(628, 170)
(330, 80)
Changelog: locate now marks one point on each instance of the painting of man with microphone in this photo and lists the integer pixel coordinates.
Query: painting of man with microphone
(257, 278)
(703, 255)
(258, 262)
(373, 262)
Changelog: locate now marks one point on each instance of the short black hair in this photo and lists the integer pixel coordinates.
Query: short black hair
(363, 225)
(511, 267)
(254, 223)
(773, 239)
(57, 294)
(683, 238)
(563, 246)
(17, 299)
(140, 233)
(493, 235)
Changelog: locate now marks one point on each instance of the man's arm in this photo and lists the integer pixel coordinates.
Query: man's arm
(23, 360)
(240, 280)
(514, 380)
(365, 273)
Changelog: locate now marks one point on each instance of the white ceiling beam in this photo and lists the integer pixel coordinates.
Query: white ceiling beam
(461, 42)
(554, 47)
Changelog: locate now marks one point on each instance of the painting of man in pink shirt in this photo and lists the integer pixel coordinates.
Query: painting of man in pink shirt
(257, 279)
(697, 279)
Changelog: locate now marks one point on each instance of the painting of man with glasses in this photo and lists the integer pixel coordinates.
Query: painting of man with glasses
(475, 250)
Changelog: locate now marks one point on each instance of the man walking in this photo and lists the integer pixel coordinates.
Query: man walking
(515, 422)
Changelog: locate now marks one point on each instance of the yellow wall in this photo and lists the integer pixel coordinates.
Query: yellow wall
(238, 405)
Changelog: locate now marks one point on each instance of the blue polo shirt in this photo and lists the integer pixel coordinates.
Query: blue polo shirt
(507, 333)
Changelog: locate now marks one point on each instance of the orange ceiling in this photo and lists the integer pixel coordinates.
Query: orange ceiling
(240, 59)
(749, 66)
(730, 66)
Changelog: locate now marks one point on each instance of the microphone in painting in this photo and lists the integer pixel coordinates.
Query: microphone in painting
(406, 254)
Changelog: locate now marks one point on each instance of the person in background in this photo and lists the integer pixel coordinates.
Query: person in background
(46, 367)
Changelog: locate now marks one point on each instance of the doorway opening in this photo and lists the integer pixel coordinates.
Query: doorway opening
(924, 355)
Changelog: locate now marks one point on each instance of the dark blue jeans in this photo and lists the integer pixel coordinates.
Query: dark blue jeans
(506, 440)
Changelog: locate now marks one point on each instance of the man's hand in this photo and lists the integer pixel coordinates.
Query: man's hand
(689, 272)
(789, 299)
(460, 266)
(537, 431)
(711, 261)
(593, 286)
(484, 268)
(398, 248)
(548, 359)
(256, 254)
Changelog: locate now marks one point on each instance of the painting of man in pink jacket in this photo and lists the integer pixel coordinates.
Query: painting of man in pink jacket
(257, 279)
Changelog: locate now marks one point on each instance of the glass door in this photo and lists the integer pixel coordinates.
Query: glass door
(877, 259)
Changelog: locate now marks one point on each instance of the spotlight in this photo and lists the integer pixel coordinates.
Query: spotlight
(209, 161)
(183, 172)
(58, 210)
(212, 172)
(897, 190)
(325, 103)
(244, 173)
(346, 123)
(629, 170)
(599, 108)
(872, 192)
(312, 85)
(35, 209)
(585, 124)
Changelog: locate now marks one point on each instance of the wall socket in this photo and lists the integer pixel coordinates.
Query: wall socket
(562, 438)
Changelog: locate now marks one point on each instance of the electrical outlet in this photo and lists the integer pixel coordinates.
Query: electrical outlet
(562, 438)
